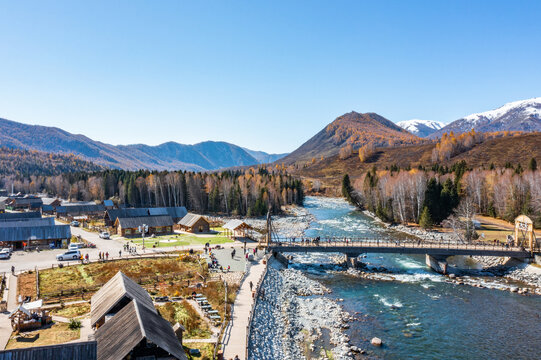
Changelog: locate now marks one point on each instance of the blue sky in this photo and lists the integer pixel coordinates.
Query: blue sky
(262, 74)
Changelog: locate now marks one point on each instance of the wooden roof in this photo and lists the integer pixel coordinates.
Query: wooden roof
(47, 221)
(20, 215)
(174, 212)
(236, 224)
(112, 292)
(136, 322)
(49, 232)
(190, 220)
(85, 350)
(151, 221)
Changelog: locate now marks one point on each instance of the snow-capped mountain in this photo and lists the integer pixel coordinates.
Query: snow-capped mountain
(421, 128)
(523, 115)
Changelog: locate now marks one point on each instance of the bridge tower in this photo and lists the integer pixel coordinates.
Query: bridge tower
(524, 234)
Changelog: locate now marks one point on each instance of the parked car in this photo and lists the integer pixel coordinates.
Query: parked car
(69, 255)
(75, 223)
(4, 255)
(75, 246)
(9, 250)
(105, 235)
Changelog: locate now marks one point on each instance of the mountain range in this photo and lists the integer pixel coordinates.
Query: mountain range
(523, 115)
(209, 155)
(421, 128)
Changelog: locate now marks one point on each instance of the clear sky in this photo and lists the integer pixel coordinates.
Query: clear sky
(262, 74)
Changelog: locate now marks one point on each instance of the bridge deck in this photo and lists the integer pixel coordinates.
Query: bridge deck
(357, 247)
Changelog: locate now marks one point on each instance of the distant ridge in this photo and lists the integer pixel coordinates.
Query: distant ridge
(421, 128)
(209, 155)
(522, 115)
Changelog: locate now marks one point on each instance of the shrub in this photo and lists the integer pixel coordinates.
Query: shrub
(74, 324)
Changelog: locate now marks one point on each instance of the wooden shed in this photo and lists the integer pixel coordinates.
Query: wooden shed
(194, 223)
(158, 225)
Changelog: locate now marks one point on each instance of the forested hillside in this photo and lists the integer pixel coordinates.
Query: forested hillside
(251, 192)
(26, 162)
(478, 150)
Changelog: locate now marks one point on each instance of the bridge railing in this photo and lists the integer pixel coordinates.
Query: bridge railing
(389, 243)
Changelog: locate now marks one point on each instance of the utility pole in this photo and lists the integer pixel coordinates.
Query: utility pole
(143, 229)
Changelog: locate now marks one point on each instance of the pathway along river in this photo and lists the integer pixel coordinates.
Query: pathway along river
(419, 315)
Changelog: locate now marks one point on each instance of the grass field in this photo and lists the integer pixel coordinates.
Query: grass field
(183, 240)
(184, 313)
(206, 350)
(93, 275)
(57, 333)
(72, 311)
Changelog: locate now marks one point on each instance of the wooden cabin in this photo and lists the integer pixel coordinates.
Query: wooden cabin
(194, 223)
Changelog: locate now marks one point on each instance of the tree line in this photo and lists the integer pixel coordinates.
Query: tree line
(433, 195)
(251, 192)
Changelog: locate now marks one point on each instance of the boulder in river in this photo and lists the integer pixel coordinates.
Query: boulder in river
(376, 341)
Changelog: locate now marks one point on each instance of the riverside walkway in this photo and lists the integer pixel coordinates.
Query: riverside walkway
(357, 246)
(236, 333)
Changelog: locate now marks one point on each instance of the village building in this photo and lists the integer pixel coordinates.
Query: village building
(194, 223)
(86, 211)
(83, 350)
(237, 229)
(158, 225)
(109, 204)
(114, 295)
(137, 332)
(26, 202)
(176, 213)
(18, 235)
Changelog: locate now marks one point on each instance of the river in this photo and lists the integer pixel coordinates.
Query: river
(418, 315)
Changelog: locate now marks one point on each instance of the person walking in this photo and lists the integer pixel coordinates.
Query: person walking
(251, 286)
(119, 253)
(12, 270)
(233, 254)
(107, 255)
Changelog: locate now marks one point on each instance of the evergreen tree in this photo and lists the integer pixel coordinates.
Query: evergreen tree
(532, 165)
(425, 221)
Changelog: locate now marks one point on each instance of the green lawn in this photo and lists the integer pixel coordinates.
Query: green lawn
(182, 240)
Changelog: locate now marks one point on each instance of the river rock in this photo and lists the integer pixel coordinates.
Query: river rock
(376, 341)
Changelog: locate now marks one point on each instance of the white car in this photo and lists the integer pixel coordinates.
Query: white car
(74, 246)
(8, 250)
(74, 223)
(4, 255)
(105, 235)
(69, 255)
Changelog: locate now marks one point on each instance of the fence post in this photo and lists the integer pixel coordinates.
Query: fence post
(37, 283)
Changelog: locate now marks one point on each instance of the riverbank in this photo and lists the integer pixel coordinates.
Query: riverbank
(292, 223)
(294, 320)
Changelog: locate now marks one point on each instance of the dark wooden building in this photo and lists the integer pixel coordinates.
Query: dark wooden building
(159, 225)
(114, 295)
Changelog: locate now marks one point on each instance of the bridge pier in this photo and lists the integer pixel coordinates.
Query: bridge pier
(437, 263)
(352, 260)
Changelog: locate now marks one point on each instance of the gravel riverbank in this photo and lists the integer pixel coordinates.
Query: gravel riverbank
(293, 319)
